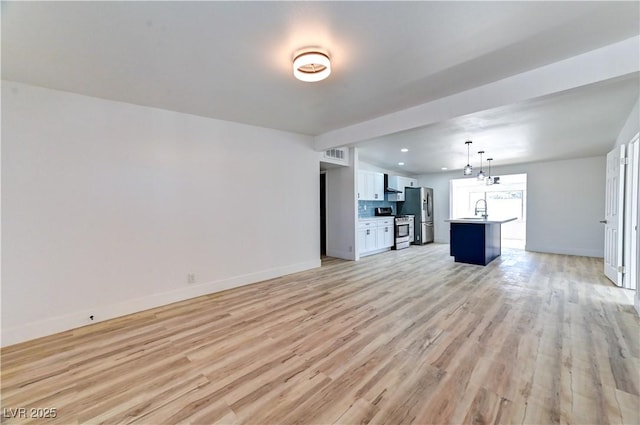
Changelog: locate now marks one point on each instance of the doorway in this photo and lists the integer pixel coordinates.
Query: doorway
(323, 214)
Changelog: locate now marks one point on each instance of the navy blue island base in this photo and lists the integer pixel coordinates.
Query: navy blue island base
(475, 241)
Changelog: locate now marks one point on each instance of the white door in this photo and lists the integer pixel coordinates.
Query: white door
(631, 215)
(613, 222)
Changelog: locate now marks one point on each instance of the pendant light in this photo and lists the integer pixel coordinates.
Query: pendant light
(468, 169)
(481, 173)
(489, 178)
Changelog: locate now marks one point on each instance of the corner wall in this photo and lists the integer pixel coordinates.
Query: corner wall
(565, 202)
(342, 209)
(107, 206)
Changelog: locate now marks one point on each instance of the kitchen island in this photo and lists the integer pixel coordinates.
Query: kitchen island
(476, 240)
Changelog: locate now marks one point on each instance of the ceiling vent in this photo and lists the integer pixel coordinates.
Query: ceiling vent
(335, 154)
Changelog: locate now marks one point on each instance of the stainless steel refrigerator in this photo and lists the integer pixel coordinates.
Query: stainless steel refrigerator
(418, 201)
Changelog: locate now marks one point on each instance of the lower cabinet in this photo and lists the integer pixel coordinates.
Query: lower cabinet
(384, 237)
(375, 235)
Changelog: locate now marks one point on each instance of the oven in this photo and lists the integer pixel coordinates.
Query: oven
(403, 231)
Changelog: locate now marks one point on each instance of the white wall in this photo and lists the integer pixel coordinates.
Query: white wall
(342, 209)
(565, 202)
(107, 206)
(631, 126)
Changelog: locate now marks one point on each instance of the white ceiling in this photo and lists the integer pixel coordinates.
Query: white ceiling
(577, 123)
(232, 61)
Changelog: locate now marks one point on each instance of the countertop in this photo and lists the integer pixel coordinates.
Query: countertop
(377, 217)
(480, 220)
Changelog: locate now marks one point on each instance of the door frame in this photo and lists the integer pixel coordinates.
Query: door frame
(614, 216)
(631, 247)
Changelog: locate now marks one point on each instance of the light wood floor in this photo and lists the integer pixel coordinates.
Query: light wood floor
(398, 338)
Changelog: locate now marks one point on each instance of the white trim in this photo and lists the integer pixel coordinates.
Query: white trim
(54, 325)
(565, 251)
(630, 255)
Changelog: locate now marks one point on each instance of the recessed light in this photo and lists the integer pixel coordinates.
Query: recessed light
(444, 168)
(400, 163)
(404, 150)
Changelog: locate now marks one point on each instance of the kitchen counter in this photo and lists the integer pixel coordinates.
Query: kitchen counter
(476, 240)
(480, 220)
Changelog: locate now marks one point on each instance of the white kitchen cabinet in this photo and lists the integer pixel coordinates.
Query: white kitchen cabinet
(367, 235)
(375, 235)
(384, 234)
(370, 186)
(399, 183)
(378, 186)
(362, 186)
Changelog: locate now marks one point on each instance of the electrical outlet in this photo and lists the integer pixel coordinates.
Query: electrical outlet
(191, 278)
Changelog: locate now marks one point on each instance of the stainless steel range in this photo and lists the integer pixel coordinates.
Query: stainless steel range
(403, 231)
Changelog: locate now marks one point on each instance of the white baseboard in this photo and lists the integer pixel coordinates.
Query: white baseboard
(77, 319)
(598, 253)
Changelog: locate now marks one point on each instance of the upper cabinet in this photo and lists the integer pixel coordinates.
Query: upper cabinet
(370, 186)
(399, 183)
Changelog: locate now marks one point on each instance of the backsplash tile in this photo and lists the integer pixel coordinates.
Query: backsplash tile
(371, 205)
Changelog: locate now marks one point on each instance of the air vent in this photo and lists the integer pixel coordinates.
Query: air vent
(335, 154)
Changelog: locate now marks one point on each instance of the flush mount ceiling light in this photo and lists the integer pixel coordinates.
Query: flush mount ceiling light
(311, 64)
(468, 169)
(404, 150)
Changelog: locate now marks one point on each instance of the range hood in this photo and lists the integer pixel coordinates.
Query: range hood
(387, 188)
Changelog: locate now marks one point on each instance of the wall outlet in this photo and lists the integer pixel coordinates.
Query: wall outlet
(191, 278)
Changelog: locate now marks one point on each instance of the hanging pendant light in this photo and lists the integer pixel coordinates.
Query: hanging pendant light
(468, 169)
(489, 178)
(481, 173)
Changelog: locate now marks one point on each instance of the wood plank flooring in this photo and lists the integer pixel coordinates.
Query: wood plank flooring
(404, 337)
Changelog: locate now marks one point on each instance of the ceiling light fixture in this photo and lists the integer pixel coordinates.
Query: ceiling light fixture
(481, 173)
(311, 64)
(468, 169)
(400, 163)
(489, 178)
(404, 150)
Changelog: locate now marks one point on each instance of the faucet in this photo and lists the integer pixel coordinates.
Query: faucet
(482, 210)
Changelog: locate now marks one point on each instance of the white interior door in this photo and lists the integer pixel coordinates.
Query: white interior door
(613, 223)
(631, 215)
